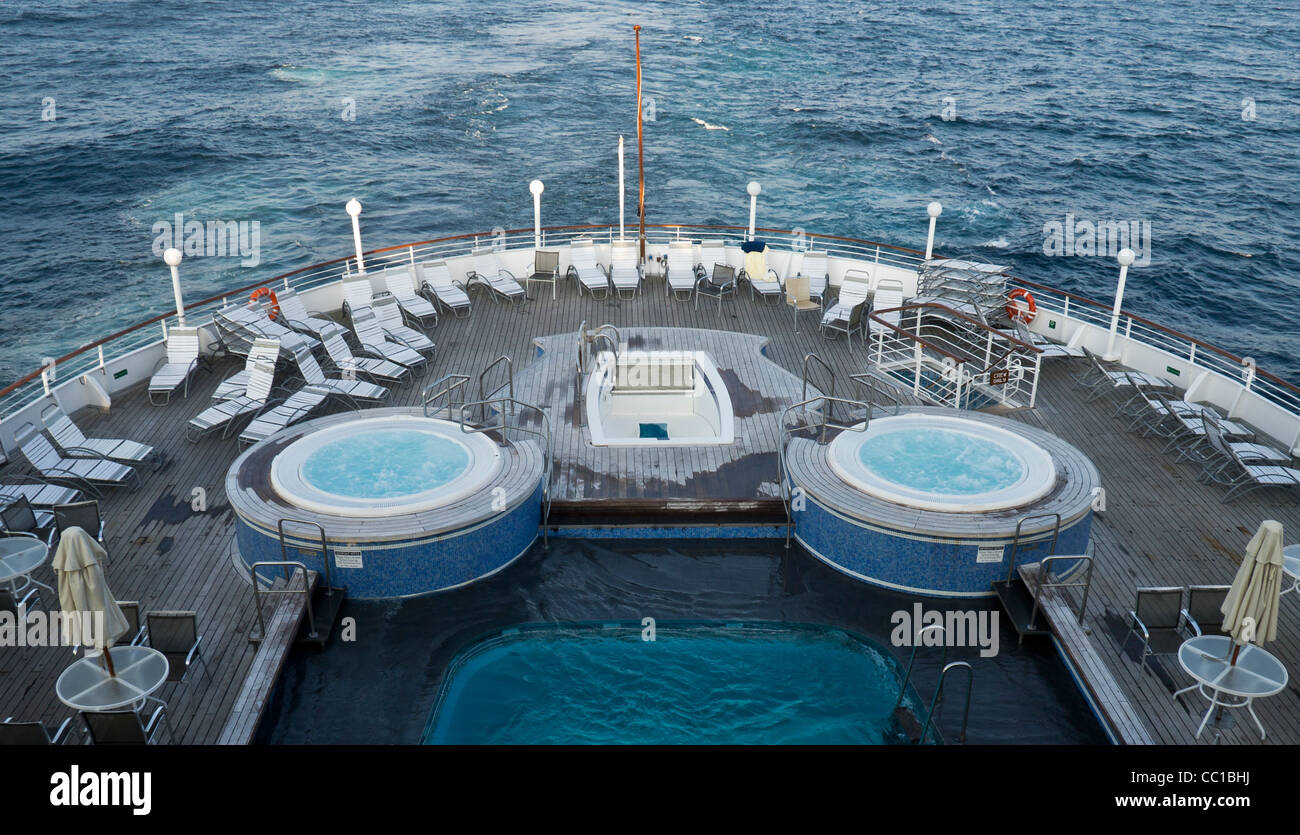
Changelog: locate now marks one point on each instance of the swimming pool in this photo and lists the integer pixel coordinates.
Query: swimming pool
(693, 683)
(658, 398)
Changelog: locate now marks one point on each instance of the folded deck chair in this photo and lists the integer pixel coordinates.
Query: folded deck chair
(682, 271)
(401, 283)
(348, 364)
(296, 315)
(389, 313)
(762, 279)
(349, 389)
(436, 280)
(583, 267)
(499, 281)
(375, 342)
(224, 415)
(272, 419)
(815, 269)
(845, 316)
(625, 268)
(74, 444)
(1242, 475)
(711, 253)
(83, 473)
(266, 351)
(247, 322)
(177, 367)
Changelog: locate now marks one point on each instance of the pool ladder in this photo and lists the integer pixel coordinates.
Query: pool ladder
(938, 687)
(503, 406)
(818, 420)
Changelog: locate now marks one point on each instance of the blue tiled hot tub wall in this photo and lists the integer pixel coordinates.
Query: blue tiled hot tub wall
(913, 562)
(417, 565)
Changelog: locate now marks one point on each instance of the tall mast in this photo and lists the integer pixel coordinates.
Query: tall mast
(640, 142)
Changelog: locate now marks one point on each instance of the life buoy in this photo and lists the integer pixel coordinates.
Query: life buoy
(1021, 312)
(267, 292)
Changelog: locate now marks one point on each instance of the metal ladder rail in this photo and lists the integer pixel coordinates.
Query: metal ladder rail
(451, 383)
(830, 371)
(509, 384)
(823, 425)
(324, 548)
(874, 386)
(916, 642)
(305, 591)
(1015, 543)
(1043, 582)
(938, 692)
(466, 409)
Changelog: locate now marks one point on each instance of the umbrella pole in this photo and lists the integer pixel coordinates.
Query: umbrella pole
(1236, 650)
(108, 663)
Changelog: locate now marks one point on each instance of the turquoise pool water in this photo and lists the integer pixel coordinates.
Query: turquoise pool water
(694, 683)
(941, 461)
(385, 463)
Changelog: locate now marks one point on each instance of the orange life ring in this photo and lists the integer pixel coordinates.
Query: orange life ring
(265, 292)
(1021, 312)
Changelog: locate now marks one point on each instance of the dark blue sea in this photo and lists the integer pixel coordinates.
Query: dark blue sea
(117, 114)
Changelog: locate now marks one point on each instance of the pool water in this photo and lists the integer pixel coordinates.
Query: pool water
(385, 463)
(706, 683)
(941, 461)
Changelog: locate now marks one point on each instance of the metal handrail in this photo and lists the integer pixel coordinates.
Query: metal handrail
(509, 384)
(916, 642)
(324, 549)
(453, 383)
(824, 424)
(466, 409)
(829, 370)
(938, 691)
(1043, 582)
(305, 591)
(873, 385)
(1015, 543)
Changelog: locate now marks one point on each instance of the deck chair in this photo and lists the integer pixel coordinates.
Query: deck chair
(249, 322)
(798, 298)
(763, 280)
(682, 273)
(389, 314)
(87, 474)
(32, 733)
(546, 269)
(224, 415)
(296, 315)
(84, 515)
(1045, 346)
(711, 253)
(845, 316)
(37, 492)
(402, 285)
(625, 269)
(69, 438)
(499, 281)
(18, 516)
(374, 340)
(584, 268)
(1187, 433)
(176, 369)
(1204, 612)
(1100, 380)
(27, 599)
(274, 417)
(721, 283)
(1242, 475)
(126, 727)
(357, 292)
(450, 294)
(886, 299)
(349, 365)
(175, 635)
(348, 389)
(814, 268)
(134, 630)
(1155, 618)
(264, 351)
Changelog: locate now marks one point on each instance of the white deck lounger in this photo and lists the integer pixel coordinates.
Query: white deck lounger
(374, 341)
(84, 473)
(1241, 473)
(711, 253)
(248, 323)
(389, 313)
(357, 293)
(349, 389)
(176, 369)
(262, 350)
(271, 420)
(888, 297)
(499, 281)
(401, 283)
(814, 268)
(38, 493)
(762, 279)
(845, 316)
(223, 415)
(435, 278)
(74, 444)
(297, 316)
(683, 274)
(347, 363)
(625, 268)
(591, 276)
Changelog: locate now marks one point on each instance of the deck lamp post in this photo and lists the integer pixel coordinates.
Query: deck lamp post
(620, 187)
(172, 257)
(933, 210)
(354, 209)
(537, 188)
(753, 188)
(1124, 258)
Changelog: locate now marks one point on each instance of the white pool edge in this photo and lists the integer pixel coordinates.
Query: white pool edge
(708, 375)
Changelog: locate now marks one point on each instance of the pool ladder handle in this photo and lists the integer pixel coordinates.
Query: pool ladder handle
(938, 688)
(432, 394)
(500, 406)
(305, 591)
(485, 397)
(1043, 582)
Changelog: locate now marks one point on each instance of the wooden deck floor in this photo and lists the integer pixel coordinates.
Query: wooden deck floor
(1160, 526)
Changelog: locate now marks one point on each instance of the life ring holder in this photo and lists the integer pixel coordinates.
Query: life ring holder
(1019, 312)
(267, 292)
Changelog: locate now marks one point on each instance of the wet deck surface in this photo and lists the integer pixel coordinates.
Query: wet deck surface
(1161, 527)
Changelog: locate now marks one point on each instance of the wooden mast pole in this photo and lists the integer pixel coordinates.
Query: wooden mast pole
(640, 143)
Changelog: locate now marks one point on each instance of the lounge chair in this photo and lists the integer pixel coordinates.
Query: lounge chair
(264, 351)
(348, 364)
(32, 733)
(296, 315)
(886, 300)
(86, 474)
(245, 323)
(683, 274)
(126, 727)
(401, 283)
(1204, 612)
(583, 267)
(711, 253)
(225, 414)
(1100, 380)
(546, 269)
(1046, 347)
(69, 438)
(349, 389)
(175, 635)
(845, 316)
(1187, 433)
(374, 340)
(357, 292)
(1155, 618)
(38, 492)
(721, 283)
(625, 268)
(134, 631)
(436, 280)
(175, 370)
(499, 281)
(389, 313)
(274, 417)
(798, 298)
(762, 279)
(1240, 474)
(814, 268)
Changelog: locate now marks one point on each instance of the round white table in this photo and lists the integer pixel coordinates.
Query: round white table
(1291, 566)
(1207, 658)
(86, 685)
(19, 557)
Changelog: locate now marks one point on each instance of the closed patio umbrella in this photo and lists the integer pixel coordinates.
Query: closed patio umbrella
(83, 589)
(1256, 590)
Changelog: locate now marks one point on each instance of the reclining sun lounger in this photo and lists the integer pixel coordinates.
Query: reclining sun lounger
(87, 474)
(814, 268)
(175, 370)
(74, 444)
(374, 341)
(625, 269)
(435, 279)
(499, 281)
(1241, 473)
(389, 313)
(711, 254)
(243, 323)
(348, 364)
(683, 274)
(583, 267)
(349, 389)
(845, 316)
(1106, 381)
(762, 279)
(272, 419)
(262, 350)
(224, 415)
(401, 283)
(296, 315)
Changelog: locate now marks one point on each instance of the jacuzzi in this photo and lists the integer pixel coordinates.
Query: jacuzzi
(658, 398)
(929, 501)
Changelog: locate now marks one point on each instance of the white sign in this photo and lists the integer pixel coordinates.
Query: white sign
(352, 559)
(989, 553)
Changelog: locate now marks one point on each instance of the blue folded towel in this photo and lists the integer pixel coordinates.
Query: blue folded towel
(753, 246)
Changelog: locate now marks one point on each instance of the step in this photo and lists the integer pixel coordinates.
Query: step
(1018, 604)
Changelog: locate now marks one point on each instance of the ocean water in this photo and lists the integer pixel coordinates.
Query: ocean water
(853, 115)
